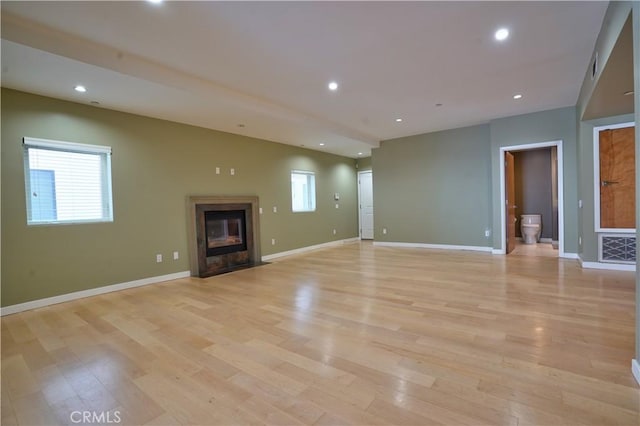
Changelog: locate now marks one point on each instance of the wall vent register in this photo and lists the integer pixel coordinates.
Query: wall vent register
(618, 248)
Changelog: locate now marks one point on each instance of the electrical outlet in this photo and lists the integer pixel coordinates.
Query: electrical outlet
(273, 241)
(337, 206)
(580, 240)
(275, 209)
(158, 258)
(487, 232)
(260, 210)
(176, 255)
(579, 204)
(217, 170)
(334, 232)
(384, 230)
(232, 171)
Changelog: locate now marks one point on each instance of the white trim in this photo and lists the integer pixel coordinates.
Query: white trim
(309, 248)
(560, 171)
(596, 176)
(432, 246)
(66, 146)
(497, 251)
(13, 309)
(635, 369)
(570, 256)
(606, 266)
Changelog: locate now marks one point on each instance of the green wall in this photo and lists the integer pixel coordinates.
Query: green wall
(364, 164)
(545, 126)
(156, 164)
(589, 250)
(612, 24)
(614, 20)
(444, 187)
(434, 188)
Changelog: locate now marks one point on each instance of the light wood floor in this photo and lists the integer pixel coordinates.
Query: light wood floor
(539, 249)
(350, 335)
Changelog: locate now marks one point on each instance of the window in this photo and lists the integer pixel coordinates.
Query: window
(303, 191)
(67, 182)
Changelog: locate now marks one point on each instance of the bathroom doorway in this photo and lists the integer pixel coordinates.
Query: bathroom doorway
(531, 184)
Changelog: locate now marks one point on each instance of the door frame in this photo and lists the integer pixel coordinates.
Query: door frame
(503, 219)
(596, 178)
(360, 202)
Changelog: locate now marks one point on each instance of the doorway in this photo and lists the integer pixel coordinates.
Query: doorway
(365, 204)
(509, 209)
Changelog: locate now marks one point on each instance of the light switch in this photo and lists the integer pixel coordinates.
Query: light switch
(232, 171)
(217, 170)
(275, 209)
(260, 210)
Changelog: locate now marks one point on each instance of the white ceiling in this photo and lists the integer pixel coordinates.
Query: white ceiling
(266, 65)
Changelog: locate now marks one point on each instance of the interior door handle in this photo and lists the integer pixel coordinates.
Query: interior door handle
(608, 182)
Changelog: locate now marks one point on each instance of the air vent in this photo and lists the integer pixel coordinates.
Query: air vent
(616, 248)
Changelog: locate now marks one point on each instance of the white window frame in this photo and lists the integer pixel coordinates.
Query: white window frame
(106, 187)
(311, 191)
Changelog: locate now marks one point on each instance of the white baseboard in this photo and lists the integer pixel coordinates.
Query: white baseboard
(607, 266)
(432, 246)
(635, 369)
(309, 248)
(14, 309)
(569, 256)
(497, 251)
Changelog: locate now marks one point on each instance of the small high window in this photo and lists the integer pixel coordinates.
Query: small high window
(303, 191)
(67, 182)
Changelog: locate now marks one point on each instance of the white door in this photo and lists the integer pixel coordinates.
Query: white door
(365, 194)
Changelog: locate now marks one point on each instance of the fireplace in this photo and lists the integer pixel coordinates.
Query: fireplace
(225, 231)
(223, 234)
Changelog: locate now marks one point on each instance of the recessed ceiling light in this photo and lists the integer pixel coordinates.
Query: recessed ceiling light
(398, 120)
(438, 105)
(359, 153)
(155, 1)
(518, 96)
(502, 34)
(321, 144)
(80, 88)
(629, 93)
(333, 86)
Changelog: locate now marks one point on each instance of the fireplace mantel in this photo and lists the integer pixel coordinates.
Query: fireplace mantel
(203, 265)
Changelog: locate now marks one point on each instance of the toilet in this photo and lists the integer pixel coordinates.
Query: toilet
(530, 228)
